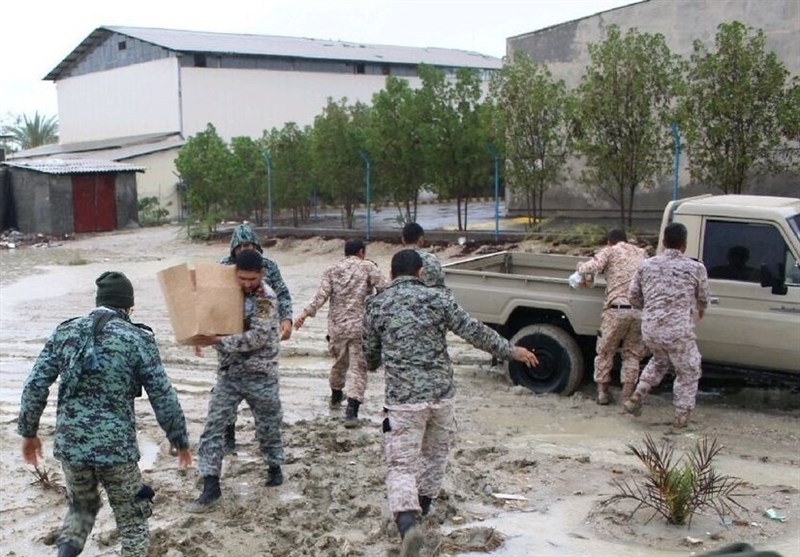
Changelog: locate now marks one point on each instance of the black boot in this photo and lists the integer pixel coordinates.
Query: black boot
(230, 439)
(425, 504)
(68, 549)
(337, 396)
(274, 476)
(209, 498)
(412, 538)
(351, 413)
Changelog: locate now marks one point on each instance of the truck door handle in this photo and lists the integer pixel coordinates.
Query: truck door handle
(713, 301)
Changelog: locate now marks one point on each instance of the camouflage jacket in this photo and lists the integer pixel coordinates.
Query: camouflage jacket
(405, 327)
(432, 273)
(101, 373)
(347, 285)
(668, 288)
(257, 348)
(618, 263)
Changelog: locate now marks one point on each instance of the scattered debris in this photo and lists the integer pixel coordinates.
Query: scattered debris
(467, 540)
(774, 515)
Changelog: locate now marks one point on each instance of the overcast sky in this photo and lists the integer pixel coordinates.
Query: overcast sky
(37, 34)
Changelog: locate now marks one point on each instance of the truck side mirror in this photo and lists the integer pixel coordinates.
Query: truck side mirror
(776, 283)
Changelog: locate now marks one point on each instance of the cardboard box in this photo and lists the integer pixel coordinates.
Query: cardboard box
(206, 300)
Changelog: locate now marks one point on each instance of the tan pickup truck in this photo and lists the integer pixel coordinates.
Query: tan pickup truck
(751, 248)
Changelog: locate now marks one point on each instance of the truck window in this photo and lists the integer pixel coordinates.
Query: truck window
(739, 250)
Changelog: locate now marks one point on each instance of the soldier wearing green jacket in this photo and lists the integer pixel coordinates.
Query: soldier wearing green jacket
(103, 362)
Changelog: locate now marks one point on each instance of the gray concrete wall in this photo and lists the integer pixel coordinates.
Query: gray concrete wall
(564, 48)
(43, 202)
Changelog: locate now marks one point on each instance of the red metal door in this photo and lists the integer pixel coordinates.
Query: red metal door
(94, 206)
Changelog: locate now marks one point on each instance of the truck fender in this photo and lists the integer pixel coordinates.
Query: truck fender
(560, 368)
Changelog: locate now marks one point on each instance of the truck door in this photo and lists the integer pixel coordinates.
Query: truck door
(747, 324)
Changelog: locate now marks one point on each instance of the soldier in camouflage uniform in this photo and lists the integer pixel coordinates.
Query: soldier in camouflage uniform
(244, 237)
(414, 238)
(248, 370)
(672, 291)
(621, 324)
(405, 328)
(347, 285)
(103, 361)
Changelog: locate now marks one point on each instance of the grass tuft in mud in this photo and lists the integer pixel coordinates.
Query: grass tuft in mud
(46, 479)
(677, 489)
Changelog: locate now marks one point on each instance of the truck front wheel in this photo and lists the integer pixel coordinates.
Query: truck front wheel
(560, 368)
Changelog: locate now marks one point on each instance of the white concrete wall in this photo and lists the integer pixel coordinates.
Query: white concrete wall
(247, 102)
(159, 180)
(132, 100)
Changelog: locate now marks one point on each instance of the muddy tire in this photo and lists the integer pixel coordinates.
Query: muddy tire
(560, 368)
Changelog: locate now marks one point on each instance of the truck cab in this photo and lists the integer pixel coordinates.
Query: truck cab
(750, 246)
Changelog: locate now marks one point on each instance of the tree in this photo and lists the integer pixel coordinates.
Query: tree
(625, 100)
(337, 137)
(33, 132)
(740, 107)
(536, 117)
(455, 135)
(395, 143)
(206, 166)
(248, 195)
(292, 176)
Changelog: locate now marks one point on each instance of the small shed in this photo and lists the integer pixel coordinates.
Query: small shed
(64, 196)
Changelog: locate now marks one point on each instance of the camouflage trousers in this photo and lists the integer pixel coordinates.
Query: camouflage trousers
(122, 483)
(349, 367)
(619, 328)
(685, 359)
(262, 394)
(415, 449)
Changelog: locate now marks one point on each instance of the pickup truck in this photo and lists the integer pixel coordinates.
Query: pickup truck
(750, 246)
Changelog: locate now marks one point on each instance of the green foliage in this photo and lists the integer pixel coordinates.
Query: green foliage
(676, 490)
(337, 137)
(207, 167)
(292, 177)
(624, 112)
(740, 107)
(249, 193)
(536, 115)
(151, 213)
(583, 234)
(32, 132)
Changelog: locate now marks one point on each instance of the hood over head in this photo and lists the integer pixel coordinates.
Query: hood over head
(243, 234)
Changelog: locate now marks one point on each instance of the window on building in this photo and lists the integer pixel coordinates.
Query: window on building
(122, 45)
(386, 70)
(199, 60)
(360, 68)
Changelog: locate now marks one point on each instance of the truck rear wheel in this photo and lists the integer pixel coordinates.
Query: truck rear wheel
(560, 368)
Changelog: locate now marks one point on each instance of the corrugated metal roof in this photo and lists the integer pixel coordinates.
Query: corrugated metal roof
(74, 166)
(291, 47)
(118, 148)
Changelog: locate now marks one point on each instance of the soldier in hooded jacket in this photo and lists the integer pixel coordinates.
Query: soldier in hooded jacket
(248, 370)
(405, 328)
(103, 361)
(243, 238)
(347, 284)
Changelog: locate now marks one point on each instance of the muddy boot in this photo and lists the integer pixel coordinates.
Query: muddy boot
(337, 396)
(681, 420)
(68, 549)
(209, 498)
(351, 413)
(603, 396)
(425, 504)
(634, 404)
(229, 447)
(412, 538)
(274, 476)
(627, 390)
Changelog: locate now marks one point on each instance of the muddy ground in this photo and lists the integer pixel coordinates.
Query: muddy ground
(527, 476)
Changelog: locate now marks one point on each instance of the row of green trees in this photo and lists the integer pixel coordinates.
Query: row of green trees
(736, 105)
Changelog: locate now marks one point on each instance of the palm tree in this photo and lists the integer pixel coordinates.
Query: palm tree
(33, 132)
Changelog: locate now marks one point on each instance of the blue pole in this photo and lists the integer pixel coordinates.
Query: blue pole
(676, 137)
(496, 168)
(367, 167)
(268, 164)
